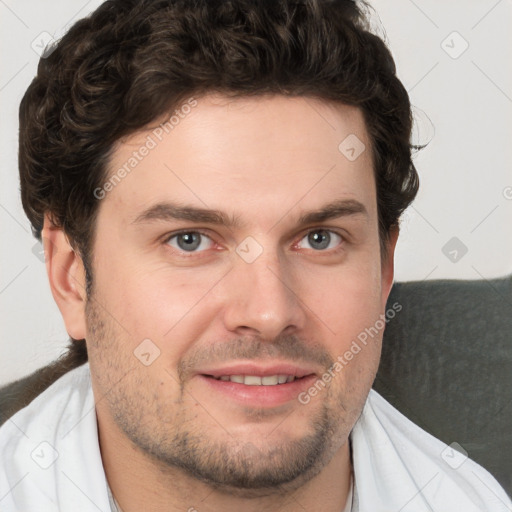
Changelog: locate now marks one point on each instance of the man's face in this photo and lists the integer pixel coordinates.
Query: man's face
(201, 343)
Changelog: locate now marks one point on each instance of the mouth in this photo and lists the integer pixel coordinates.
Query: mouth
(257, 380)
(257, 385)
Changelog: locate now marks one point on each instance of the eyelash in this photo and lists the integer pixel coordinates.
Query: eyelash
(193, 254)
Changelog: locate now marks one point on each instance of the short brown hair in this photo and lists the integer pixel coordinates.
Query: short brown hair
(130, 61)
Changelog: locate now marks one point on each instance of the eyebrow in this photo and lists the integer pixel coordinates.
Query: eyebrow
(172, 211)
(168, 211)
(334, 210)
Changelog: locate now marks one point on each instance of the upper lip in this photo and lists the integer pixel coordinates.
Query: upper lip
(260, 369)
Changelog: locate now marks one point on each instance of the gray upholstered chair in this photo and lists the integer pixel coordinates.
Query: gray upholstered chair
(446, 364)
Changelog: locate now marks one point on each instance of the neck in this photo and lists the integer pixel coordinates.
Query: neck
(138, 483)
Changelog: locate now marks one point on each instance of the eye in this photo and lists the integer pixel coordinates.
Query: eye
(321, 239)
(190, 241)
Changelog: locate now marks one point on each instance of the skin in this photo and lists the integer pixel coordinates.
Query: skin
(169, 440)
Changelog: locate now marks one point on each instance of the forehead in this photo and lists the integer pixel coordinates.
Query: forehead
(256, 157)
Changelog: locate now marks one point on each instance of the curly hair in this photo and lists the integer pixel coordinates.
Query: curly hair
(131, 61)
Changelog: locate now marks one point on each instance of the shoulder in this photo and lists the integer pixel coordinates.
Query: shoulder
(410, 469)
(72, 389)
(41, 441)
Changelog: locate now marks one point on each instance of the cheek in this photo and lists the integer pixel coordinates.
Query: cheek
(348, 303)
(346, 299)
(164, 305)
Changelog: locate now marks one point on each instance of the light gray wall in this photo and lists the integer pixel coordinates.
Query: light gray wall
(466, 176)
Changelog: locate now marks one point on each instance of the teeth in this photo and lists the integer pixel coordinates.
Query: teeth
(255, 380)
(252, 380)
(270, 380)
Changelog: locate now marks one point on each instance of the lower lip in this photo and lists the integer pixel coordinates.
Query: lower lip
(260, 396)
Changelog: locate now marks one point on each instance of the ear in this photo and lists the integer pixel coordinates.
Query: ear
(388, 265)
(66, 274)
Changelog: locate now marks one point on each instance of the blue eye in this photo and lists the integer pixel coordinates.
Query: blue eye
(321, 239)
(190, 241)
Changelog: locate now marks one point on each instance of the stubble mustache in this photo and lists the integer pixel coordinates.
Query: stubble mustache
(289, 348)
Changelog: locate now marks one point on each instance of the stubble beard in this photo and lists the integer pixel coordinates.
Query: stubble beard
(178, 443)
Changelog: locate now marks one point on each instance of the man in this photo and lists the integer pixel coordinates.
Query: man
(218, 187)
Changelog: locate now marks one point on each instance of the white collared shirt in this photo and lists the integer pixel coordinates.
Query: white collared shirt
(50, 460)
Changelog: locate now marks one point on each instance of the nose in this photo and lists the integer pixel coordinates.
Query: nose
(262, 298)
